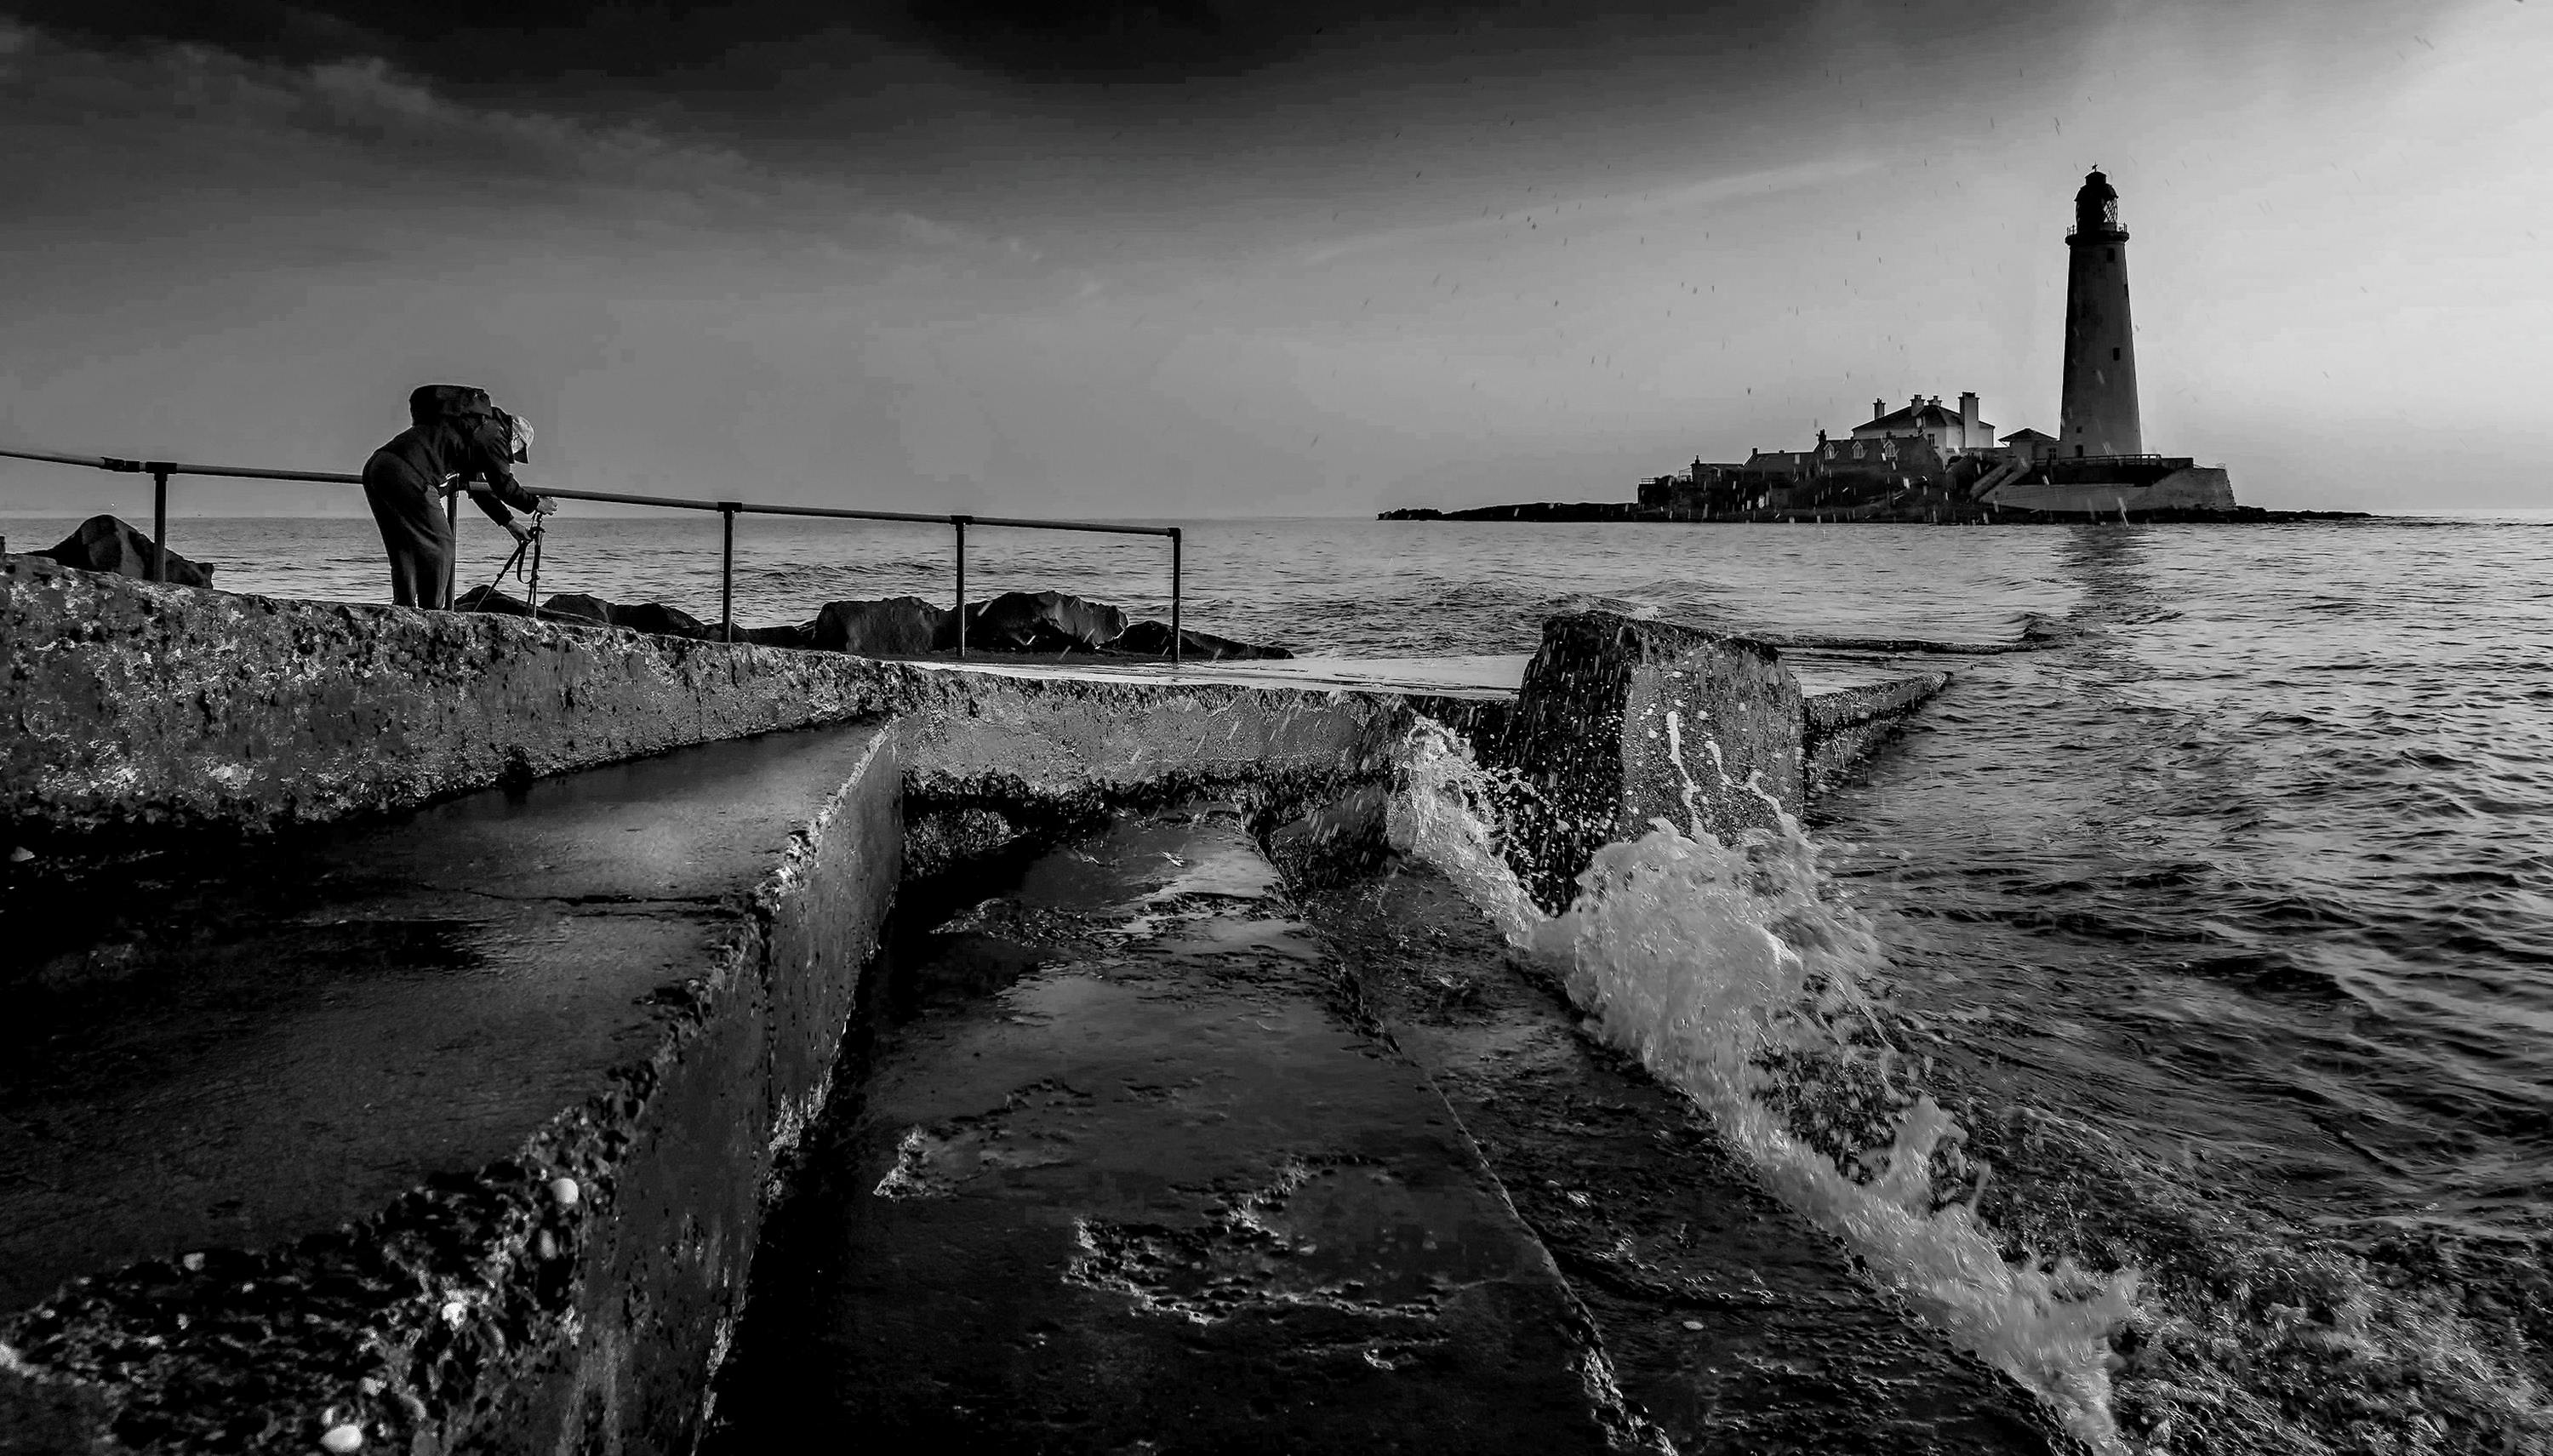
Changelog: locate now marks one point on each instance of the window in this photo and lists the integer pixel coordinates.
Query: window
(2114, 356)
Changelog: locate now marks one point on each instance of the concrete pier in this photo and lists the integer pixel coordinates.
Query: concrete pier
(1128, 1174)
(414, 1011)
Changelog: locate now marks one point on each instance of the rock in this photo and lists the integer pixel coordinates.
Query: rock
(1152, 640)
(1623, 720)
(663, 620)
(489, 599)
(580, 608)
(1042, 621)
(899, 626)
(579, 604)
(799, 634)
(104, 543)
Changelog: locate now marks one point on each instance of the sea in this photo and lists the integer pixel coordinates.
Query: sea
(2205, 952)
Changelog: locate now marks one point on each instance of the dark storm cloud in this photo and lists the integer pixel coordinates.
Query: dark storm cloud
(470, 43)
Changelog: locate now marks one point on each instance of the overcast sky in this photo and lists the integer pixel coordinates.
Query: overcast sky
(1192, 259)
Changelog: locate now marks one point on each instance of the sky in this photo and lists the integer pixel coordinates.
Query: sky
(1201, 259)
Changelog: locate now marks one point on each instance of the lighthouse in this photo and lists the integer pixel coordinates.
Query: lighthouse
(2097, 413)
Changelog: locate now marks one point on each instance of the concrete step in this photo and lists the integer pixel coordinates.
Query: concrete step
(358, 1059)
(1128, 1174)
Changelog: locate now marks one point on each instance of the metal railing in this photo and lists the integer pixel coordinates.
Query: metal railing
(160, 471)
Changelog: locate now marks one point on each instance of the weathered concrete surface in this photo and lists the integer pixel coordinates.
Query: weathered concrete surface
(303, 1115)
(1729, 1322)
(1086, 742)
(1622, 721)
(124, 703)
(138, 706)
(1840, 729)
(1129, 1176)
(141, 707)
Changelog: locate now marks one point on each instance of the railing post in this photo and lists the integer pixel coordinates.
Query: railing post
(727, 572)
(159, 523)
(960, 522)
(1174, 595)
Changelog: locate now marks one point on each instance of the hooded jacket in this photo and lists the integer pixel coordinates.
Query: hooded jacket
(456, 430)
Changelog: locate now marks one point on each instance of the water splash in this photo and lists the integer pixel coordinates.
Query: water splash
(1735, 974)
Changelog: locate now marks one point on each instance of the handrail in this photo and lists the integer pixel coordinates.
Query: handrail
(160, 471)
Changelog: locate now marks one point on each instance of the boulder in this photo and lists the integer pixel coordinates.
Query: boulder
(489, 599)
(1042, 621)
(663, 620)
(799, 634)
(580, 604)
(899, 626)
(105, 543)
(1152, 640)
(583, 608)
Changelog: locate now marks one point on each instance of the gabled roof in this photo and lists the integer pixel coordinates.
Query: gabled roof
(1913, 417)
(2031, 435)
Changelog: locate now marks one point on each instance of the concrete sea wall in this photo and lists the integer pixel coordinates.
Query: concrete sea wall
(504, 1195)
(139, 708)
(570, 1286)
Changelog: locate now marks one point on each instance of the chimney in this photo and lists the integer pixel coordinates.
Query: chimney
(1969, 427)
(1878, 407)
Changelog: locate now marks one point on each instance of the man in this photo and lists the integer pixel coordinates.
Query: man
(455, 434)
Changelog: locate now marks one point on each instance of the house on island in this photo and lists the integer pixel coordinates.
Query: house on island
(1922, 446)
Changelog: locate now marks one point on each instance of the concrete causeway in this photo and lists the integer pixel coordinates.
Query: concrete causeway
(416, 1016)
(1130, 1174)
(262, 1046)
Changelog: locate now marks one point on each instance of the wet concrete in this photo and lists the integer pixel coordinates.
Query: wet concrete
(1730, 1322)
(1128, 1174)
(278, 1066)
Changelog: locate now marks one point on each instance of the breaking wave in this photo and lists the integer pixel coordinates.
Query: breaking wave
(1735, 974)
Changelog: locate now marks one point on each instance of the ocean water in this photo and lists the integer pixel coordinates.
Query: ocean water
(2168, 1014)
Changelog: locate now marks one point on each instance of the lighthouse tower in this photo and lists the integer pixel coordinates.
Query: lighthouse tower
(2097, 413)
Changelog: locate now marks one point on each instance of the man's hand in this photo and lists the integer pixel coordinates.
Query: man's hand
(521, 531)
(543, 505)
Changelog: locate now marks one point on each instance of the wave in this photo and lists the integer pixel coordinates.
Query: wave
(1737, 976)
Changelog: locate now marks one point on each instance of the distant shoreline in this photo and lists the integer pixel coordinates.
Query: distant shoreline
(1964, 513)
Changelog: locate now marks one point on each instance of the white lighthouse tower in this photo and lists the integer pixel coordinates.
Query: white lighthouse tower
(2097, 413)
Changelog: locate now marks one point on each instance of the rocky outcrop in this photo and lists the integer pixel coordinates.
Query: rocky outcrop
(1044, 624)
(104, 543)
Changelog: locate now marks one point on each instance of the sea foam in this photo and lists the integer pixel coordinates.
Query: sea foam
(1734, 972)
